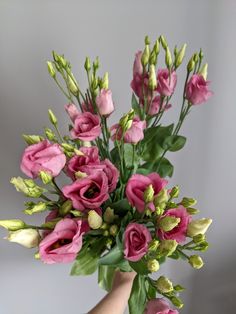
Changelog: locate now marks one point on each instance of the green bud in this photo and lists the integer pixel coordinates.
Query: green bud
(36, 255)
(113, 230)
(52, 117)
(51, 69)
(177, 302)
(105, 81)
(163, 42)
(45, 177)
(203, 71)
(76, 213)
(176, 51)
(180, 56)
(171, 205)
(152, 81)
(73, 87)
(51, 224)
(160, 209)
(179, 288)
(32, 139)
(96, 64)
(145, 55)
(104, 226)
(168, 58)
(153, 245)
(201, 54)
(196, 261)
(161, 198)
(55, 56)
(188, 202)
(35, 208)
(153, 265)
(87, 64)
(196, 57)
(198, 226)
(80, 175)
(202, 247)
(192, 211)
(106, 233)
(109, 215)
(29, 238)
(148, 194)
(65, 208)
(94, 220)
(168, 223)
(153, 58)
(199, 238)
(28, 187)
(12, 224)
(50, 135)
(156, 47)
(167, 247)
(147, 40)
(68, 147)
(174, 193)
(127, 120)
(164, 285)
(191, 65)
(109, 242)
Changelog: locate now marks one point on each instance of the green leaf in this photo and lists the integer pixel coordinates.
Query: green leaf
(121, 206)
(140, 267)
(151, 291)
(115, 156)
(166, 169)
(135, 105)
(86, 263)
(128, 156)
(105, 276)
(138, 296)
(174, 143)
(113, 257)
(143, 171)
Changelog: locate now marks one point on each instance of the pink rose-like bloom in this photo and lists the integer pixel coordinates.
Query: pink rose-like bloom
(197, 90)
(43, 156)
(136, 241)
(112, 174)
(155, 106)
(104, 102)
(179, 232)
(136, 186)
(72, 111)
(89, 192)
(86, 127)
(133, 135)
(139, 85)
(63, 243)
(159, 306)
(166, 84)
(137, 66)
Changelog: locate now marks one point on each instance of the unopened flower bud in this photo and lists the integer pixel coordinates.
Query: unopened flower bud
(153, 245)
(113, 230)
(153, 265)
(32, 139)
(96, 64)
(12, 224)
(180, 56)
(87, 64)
(145, 55)
(199, 238)
(196, 261)
(106, 233)
(198, 226)
(147, 40)
(105, 81)
(37, 255)
(152, 81)
(161, 198)
(176, 51)
(55, 56)
(104, 226)
(65, 208)
(156, 47)
(164, 285)
(191, 65)
(109, 215)
(201, 55)
(167, 247)
(80, 175)
(174, 193)
(203, 71)
(51, 224)
(192, 211)
(177, 302)
(94, 220)
(50, 135)
(179, 288)
(196, 57)
(188, 202)
(35, 208)
(28, 187)
(52, 117)
(168, 223)
(148, 194)
(168, 58)
(51, 69)
(153, 58)
(160, 209)
(29, 238)
(73, 87)
(76, 213)
(202, 247)
(68, 147)
(45, 177)
(109, 242)
(163, 42)
(127, 120)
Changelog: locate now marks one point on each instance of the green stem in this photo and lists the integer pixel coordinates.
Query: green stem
(45, 198)
(61, 88)
(58, 132)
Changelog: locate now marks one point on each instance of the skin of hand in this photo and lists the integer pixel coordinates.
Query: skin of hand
(116, 300)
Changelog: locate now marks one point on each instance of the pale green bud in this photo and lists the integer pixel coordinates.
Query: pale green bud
(104, 226)
(145, 55)
(105, 81)
(109, 215)
(180, 56)
(168, 58)
(76, 213)
(106, 233)
(87, 64)
(161, 198)
(66, 208)
(179, 288)
(160, 209)
(198, 226)
(167, 247)
(55, 56)
(153, 245)
(203, 71)
(73, 87)
(201, 55)
(176, 51)
(32, 139)
(28, 187)
(153, 265)
(51, 224)
(80, 175)
(45, 177)
(199, 238)
(29, 238)
(109, 242)
(174, 193)
(164, 285)
(148, 194)
(168, 223)
(51, 69)
(153, 58)
(147, 40)
(188, 202)
(191, 65)
(37, 255)
(94, 220)
(113, 230)
(52, 117)
(50, 135)
(152, 81)
(96, 64)
(127, 120)
(68, 147)
(202, 247)
(192, 211)
(177, 302)
(156, 47)
(35, 208)
(196, 261)
(196, 57)
(163, 42)
(171, 205)
(87, 144)
(12, 224)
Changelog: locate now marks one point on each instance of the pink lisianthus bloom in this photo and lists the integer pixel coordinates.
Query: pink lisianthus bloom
(197, 90)
(155, 106)
(133, 135)
(179, 232)
(136, 241)
(86, 127)
(89, 192)
(104, 102)
(137, 185)
(159, 306)
(139, 85)
(88, 107)
(43, 156)
(72, 111)
(112, 174)
(63, 243)
(137, 66)
(166, 83)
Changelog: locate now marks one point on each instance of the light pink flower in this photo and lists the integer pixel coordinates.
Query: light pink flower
(138, 67)
(43, 156)
(179, 232)
(197, 90)
(104, 102)
(112, 174)
(72, 111)
(136, 241)
(166, 83)
(159, 306)
(89, 192)
(86, 127)
(136, 186)
(63, 243)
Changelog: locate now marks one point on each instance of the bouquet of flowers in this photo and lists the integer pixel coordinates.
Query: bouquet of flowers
(114, 209)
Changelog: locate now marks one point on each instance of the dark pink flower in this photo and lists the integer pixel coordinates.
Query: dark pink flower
(159, 306)
(86, 127)
(72, 111)
(136, 241)
(43, 156)
(197, 90)
(166, 83)
(112, 174)
(104, 102)
(137, 66)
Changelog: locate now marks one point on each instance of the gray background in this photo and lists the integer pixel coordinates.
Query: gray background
(205, 169)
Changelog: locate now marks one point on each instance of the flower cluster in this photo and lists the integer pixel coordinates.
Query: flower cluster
(113, 208)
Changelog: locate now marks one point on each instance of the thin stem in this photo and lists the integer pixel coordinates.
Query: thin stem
(56, 186)
(61, 88)
(45, 198)
(37, 227)
(58, 132)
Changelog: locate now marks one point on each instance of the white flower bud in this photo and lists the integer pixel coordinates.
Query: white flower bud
(94, 220)
(29, 238)
(198, 226)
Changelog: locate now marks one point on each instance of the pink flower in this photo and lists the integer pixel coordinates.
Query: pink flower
(112, 174)
(159, 306)
(87, 107)
(136, 241)
(139, 85)
(86, 127)
(63, 243)
(83, 163)
(197, 90)
(138, 67)
(136, 186)
(72, 111)
(179, 232)
(166, 84)
(104, 102)
(155, 106)
(133, 135)
(89, 192)
(43, 156)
